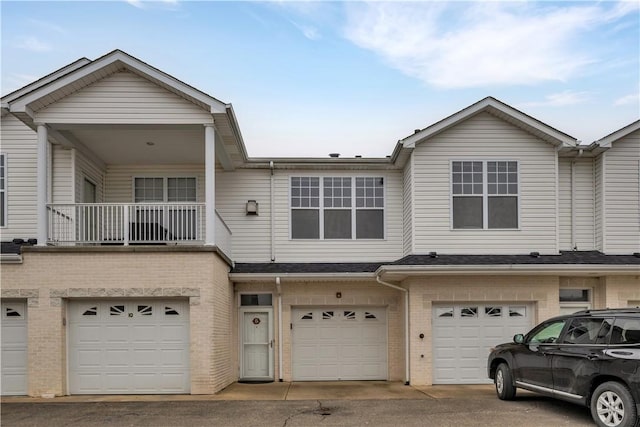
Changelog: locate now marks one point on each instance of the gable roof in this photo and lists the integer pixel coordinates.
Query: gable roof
(606, 141)
(110, 63)
(498, 109)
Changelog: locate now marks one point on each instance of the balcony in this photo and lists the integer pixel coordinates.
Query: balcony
(133, 224)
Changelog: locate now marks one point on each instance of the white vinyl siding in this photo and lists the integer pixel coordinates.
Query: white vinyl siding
(485, 137)
(622, 191)
(408, 207)
(3, 190)
(251, 233)
(598, 204)
(123, 97)
(355, 250)
(61, 174)
(87, 169)
(19, 144)
(583, 203)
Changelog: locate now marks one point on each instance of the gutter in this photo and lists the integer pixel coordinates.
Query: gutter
(574, 243)
(279, 290)
(406, 324)
(10, 259)
(272, 214)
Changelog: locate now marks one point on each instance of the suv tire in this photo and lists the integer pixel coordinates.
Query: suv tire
(612, 406)
(504, 383)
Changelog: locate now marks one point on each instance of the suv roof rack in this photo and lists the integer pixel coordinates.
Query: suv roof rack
(609, 310)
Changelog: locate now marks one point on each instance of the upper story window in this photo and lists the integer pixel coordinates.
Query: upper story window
(3, 190)
(484, 194)
(337, 207)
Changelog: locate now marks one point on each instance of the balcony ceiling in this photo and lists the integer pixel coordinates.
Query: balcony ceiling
(175, 144)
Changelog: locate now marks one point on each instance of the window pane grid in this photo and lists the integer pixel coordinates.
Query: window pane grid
(467, 178)
(502, 178)
(149, 190)
(305, 192)
(337, 192)
(369, 193)
(181, 189)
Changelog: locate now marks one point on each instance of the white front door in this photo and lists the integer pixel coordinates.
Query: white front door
(257, 343)
(14, 348)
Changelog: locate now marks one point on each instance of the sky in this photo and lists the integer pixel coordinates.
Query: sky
(311, 78)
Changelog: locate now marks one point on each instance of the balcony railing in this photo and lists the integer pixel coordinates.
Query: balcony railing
(132, 223)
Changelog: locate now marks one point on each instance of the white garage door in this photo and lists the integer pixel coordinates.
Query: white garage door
(337, 343)
(120, 347)
(463, 335)
(14, 348)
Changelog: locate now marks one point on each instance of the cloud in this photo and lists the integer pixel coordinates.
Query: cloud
(633, 98)
(33, 44)
(461, 44)
(143, 4)
(47, 25)
(560, 99)
(308, 31)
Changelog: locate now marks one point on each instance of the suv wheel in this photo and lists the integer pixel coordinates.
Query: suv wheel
(612, 406)
(504, 383)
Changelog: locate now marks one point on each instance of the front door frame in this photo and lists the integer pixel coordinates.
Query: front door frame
(271, 343)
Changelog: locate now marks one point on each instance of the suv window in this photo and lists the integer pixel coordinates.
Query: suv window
(626, 331)
(587, 331)
(547, 332)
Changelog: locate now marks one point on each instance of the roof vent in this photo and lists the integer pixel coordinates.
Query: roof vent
(358, 156)
(18, 241)
(416, 131)
(433, 254)
(334, 155)
(534, 254)
(636, 254)
(32, 241)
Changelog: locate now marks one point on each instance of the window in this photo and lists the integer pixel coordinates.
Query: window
(626, 331)
(484, 194)
(572, 300)
(3, 190)
(586, 331)
(157, 222)
(255, 299)
(546, 333)
(337, 208)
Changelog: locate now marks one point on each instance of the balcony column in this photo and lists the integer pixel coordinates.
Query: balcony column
(210, 184)
(41, 189)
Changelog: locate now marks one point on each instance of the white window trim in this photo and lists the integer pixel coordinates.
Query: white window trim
(353, 207)
(165, 187)
(485, 195)
(5, 191)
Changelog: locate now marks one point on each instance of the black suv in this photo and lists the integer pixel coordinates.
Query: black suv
(590, 357)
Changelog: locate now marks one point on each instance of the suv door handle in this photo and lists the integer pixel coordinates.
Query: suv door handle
(592, 356)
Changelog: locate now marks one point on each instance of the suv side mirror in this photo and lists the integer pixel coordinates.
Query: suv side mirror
(518, 338)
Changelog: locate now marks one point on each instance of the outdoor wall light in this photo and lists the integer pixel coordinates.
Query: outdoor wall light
(252, 207)
(338, 295)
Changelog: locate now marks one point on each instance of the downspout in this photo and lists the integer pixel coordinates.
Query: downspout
(574, 243)
(406, 324)
(272, 214)
(279, 290)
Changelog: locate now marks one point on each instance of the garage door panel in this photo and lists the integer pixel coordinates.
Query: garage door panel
(463, 333)
(347, 343)
(130, 348)
(13, 348)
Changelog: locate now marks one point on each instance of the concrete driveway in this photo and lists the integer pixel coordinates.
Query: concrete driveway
(373, 403)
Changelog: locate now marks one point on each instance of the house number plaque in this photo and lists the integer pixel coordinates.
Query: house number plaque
(256, 321)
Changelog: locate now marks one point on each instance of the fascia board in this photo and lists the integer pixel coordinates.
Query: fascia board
(262, 277)
(486, 104)
(619, 134)
(559, 269)
(118, 56)
(10, 97)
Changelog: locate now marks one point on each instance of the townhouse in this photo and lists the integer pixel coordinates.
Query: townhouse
(144, 251)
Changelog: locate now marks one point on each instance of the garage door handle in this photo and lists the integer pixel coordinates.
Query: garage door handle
(271, 343)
